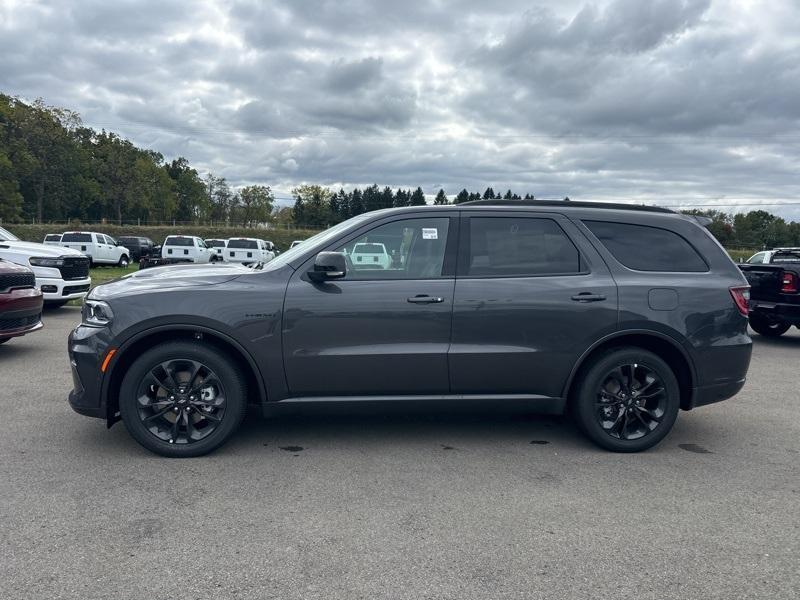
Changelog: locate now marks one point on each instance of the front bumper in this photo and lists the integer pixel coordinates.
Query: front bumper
(59, 290)
(87, 347)
(20, 312)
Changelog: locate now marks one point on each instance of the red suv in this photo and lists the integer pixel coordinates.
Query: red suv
(20, 301)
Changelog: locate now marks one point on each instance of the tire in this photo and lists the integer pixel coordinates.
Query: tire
(767, 327)
(150, 403)
(124, 261)
(611, 411)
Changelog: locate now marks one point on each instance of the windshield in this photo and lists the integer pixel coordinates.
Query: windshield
(320, 239)
(7, 236)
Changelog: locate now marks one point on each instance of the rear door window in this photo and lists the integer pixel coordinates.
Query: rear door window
(644, 248)
(519, 247)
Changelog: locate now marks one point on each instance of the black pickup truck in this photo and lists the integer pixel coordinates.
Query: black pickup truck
(774, 293)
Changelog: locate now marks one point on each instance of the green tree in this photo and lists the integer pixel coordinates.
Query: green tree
(10, 198)
(253, 204)
(488, 194)
(417, 198)
(314, 204)
(441, 198)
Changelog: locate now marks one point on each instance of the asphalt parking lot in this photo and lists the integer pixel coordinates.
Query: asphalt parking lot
(478, 504)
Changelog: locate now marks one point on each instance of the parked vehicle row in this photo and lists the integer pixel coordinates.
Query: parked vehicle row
(102, 249)
(618, 315)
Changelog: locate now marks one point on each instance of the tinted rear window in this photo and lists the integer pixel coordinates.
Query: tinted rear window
(369, 249)
(179, 241)
(215, 243)
(519, 247)
(77, 237)
(646, 248)
(786, 257)
(247, 244)
(52, 238)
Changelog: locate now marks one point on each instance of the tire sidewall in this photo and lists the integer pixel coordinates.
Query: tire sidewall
(584, 409)
(761, 325)
(230, 377)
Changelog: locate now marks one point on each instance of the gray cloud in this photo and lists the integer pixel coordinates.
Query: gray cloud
(675, 101)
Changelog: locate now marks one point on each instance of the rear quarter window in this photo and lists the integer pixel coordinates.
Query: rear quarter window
(645, 248)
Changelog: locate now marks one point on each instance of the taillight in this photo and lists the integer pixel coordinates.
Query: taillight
(741, 298)
(789, 283)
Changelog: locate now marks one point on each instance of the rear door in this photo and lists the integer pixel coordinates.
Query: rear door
(531, 296)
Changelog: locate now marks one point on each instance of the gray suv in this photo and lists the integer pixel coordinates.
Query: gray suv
(620, 315)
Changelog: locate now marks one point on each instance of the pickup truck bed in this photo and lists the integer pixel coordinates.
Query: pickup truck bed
(774, 297)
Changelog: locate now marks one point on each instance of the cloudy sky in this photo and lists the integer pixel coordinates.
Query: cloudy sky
(680, 102)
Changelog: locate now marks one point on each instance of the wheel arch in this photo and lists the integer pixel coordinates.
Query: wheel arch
(660, 344)
(127, 353)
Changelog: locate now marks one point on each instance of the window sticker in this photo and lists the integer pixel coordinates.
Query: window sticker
(430, 233)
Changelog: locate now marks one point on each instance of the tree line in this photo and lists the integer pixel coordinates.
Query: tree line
(54, 168)
(318, 207)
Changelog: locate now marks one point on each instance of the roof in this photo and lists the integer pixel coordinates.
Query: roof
(568, 204)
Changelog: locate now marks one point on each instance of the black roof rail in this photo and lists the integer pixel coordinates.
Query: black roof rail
(568, 204)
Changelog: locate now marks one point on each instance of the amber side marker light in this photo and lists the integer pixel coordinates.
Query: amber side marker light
(107, 359)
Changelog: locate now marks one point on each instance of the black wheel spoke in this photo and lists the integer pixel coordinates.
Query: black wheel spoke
(174, 387)
(630, 401)
(156, 415)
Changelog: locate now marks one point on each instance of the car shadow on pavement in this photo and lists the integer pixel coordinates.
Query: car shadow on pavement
(405, 423)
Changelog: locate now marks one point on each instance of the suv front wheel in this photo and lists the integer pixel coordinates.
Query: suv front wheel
(627, 400)
(182, 399)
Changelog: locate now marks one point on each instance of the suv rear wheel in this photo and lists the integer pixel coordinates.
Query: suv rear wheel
(181, 399)
(627, 400)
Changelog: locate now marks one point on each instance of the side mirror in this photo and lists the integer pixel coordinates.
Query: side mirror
(327, 266)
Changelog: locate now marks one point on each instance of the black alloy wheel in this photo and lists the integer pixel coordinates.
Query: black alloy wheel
(626, 400)
(631, 402)
(182, 399)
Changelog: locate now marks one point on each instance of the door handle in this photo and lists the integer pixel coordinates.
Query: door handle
(423, 299)
(588, 297)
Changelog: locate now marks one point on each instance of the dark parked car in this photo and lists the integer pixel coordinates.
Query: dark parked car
(620, 314)
(20, 301)
(139, 247)
(775, 291)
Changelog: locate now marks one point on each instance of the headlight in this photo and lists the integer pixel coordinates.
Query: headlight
(37, 261)
(97, 313)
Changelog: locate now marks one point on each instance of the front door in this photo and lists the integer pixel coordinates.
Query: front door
(385, 328)
(531, 295)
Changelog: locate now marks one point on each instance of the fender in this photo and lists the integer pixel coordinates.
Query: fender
(618, 334)
(142, 333)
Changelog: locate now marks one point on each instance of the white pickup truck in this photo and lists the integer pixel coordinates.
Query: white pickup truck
(61, 273)
(101, 249)
(186, 248)
(370, 255)
(247, 250)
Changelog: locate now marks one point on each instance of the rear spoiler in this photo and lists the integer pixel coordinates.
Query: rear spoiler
(702, 221)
